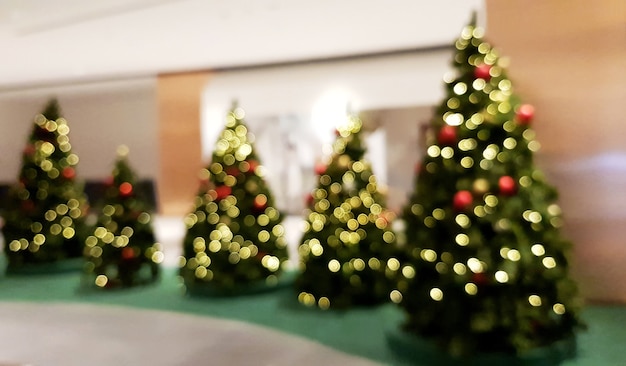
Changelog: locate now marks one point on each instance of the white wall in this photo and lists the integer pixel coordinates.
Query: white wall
(404, 147)
(100, 116)
(404, 80)
(301, 104)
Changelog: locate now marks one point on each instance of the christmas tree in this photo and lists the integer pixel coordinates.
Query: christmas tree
(122, 250)
(348, 248)
(488, 267)
(235, 241)
(45, 213)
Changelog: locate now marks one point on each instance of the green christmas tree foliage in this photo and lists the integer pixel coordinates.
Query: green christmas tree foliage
(488, 267)
(348, 250)
(122, 250)
(45, 213)
(235, 241)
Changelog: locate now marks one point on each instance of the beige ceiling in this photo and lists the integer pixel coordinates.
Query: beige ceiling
(50, 41)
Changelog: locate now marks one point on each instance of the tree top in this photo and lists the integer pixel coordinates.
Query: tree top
(52, 110)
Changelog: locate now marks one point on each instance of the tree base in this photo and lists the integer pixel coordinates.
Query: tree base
(419, 351)
(207, 289)
(60, 266)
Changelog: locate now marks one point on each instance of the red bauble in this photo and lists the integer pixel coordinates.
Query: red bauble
(108, 181)
(223, 192)
(480, 279)
(135, 214)
(482, 71)
(126, 189)
(462, 200)
(507, 185)
(85, 209)
(253, 165)
(310, 200)
(260, 202)
(128, 253)
(447, 135)
(68, 173)
(29, 150)
(232, 170)
(320, 168)
(205, 184)
(525, 114)
(28, 205)
(386, 217)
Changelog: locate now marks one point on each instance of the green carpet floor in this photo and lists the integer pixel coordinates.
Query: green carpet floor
(362, 332)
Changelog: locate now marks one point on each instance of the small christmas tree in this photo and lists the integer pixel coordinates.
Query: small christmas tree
(348, 248)
(488, 267)
(122, 250)
(235, 241)
(45, 213)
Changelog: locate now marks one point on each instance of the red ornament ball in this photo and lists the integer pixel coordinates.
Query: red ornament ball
(205, 184)
(222, 192)
(68, 172)
(126, 189)
(482, 71)
(253, 164)
(108, 181)
(447, 135)
(310, 200)
(128, 253)
(385, 218)
(28, 205)
(29, 150)
(480, 279)
(507, 185)
(260, 202)
(232, 170)
(525, 114)
(462, 200)
(320, 168)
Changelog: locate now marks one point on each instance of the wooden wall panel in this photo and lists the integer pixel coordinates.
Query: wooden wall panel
(568, 58)
(179, 106)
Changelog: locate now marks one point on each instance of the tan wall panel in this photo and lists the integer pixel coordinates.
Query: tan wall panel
(179, 105)
(568, 58)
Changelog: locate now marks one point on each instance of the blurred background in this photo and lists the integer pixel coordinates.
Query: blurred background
(159, 76)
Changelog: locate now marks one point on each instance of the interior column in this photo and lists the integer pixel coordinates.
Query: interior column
(180, 150)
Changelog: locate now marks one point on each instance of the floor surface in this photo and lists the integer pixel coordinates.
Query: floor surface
(67, 334)
(46, 320)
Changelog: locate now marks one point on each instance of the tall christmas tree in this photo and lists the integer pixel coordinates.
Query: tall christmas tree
(348, 250)
(235, 241)
(122, 250)
(45, 214)
(488, 268)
